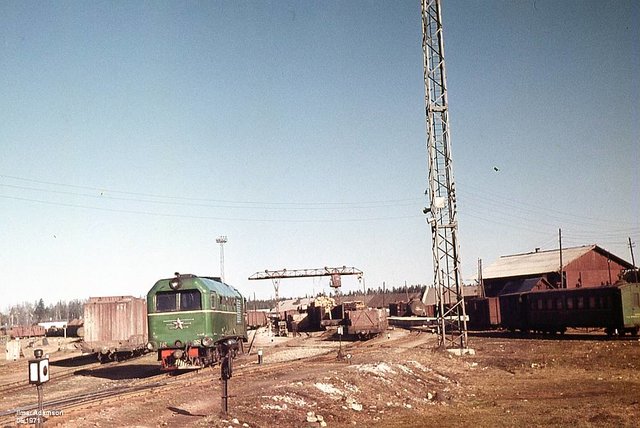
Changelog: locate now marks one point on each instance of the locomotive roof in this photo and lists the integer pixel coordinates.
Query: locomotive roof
(202, 283)
(219, 287)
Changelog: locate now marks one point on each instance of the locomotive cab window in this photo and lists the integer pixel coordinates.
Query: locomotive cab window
(166, 301)
(190, 300)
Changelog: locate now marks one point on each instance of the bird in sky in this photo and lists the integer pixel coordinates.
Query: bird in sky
(495, 168)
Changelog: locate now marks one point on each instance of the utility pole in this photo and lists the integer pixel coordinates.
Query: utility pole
(633, 261)
(442, 212)
(480, 280)
(221, 240)
(561, 265)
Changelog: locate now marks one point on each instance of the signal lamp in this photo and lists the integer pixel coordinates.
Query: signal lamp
(38, 368)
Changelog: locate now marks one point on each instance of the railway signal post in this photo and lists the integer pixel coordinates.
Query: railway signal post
(38, 375)
(226, 368)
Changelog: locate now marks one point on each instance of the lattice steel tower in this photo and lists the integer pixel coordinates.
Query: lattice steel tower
(451, 317)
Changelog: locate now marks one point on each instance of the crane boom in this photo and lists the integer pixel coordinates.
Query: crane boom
(305, 273)
(276, 275)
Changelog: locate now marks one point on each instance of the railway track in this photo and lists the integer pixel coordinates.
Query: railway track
(57, 373)
(115, 392)
(167, 381)
(244, 367)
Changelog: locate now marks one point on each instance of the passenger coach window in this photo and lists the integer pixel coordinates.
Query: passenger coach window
(166, 302)
(190, 300)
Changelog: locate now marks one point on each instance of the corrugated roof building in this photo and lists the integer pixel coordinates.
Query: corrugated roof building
(586, 266)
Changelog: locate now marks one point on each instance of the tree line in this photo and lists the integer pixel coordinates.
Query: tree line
(270, 303)
(27, 313)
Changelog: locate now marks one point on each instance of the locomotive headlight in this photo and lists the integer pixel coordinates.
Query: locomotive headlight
(151, 346)
(175, 283)
(177, 354)
(207, 341)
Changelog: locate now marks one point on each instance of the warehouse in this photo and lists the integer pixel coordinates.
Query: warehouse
(586, 266)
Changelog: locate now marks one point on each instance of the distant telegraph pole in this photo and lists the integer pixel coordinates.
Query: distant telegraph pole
(221, 240)
(561, 265)
(633, 260)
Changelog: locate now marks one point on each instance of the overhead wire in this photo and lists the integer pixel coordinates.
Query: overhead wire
(189, 216)
(477, 204)
(254, 204)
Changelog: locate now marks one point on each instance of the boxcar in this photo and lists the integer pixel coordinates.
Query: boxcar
(365, 322)
(483, 312)
(195, 321)
(115, 327)
(256, 318)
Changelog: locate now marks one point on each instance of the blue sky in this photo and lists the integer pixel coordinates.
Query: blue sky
(134, 133)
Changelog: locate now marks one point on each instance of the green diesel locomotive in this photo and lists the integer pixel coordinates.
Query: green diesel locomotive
(195, 321)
